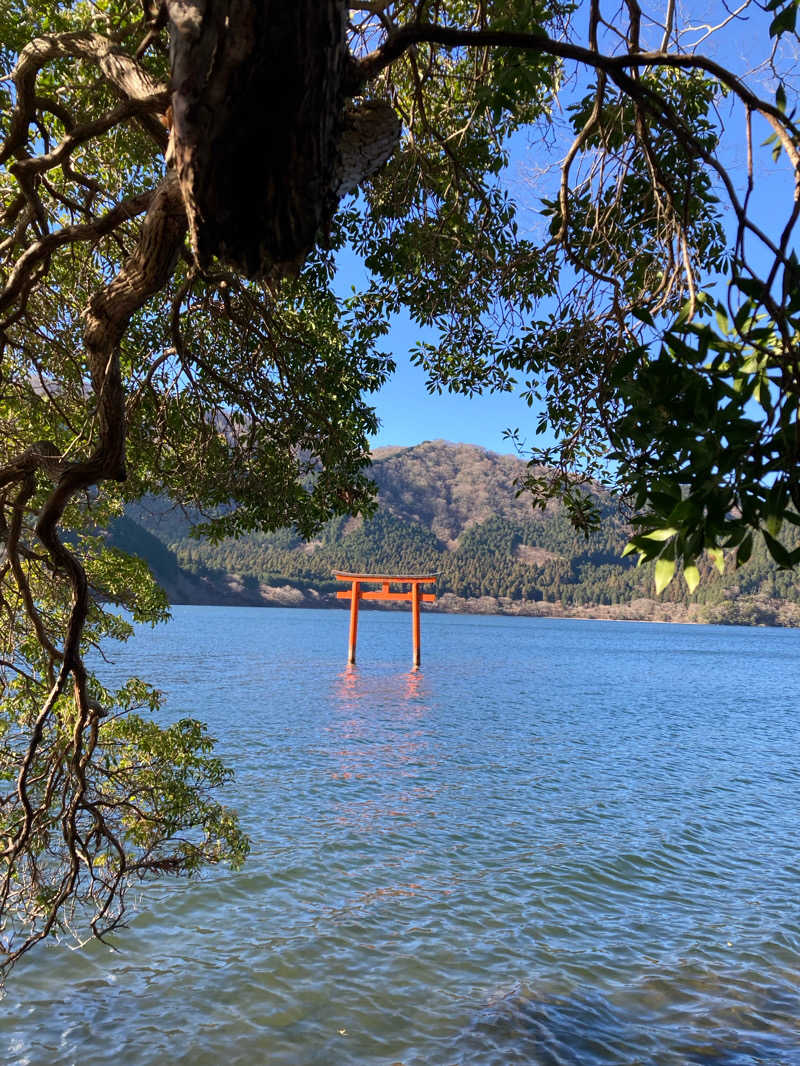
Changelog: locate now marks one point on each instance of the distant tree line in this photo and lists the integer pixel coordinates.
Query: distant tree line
(491, 559)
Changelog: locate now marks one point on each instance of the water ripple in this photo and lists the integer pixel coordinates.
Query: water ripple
(561, 844)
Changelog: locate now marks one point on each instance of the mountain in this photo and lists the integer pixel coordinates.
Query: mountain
(452, 509)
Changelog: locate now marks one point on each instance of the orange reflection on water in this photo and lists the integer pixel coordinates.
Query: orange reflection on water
(349, 683)
(354, 688)
(380, 749)
(414, 684)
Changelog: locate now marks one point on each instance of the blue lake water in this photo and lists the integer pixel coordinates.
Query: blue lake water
(560, 842)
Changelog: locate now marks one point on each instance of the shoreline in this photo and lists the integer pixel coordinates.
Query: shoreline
(752, 611)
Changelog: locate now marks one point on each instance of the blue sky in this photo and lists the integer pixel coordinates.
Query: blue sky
(409, 414)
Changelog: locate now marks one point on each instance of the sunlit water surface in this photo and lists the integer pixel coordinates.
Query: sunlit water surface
(561, 842)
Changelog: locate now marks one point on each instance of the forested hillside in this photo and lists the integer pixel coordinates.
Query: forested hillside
(452, 509)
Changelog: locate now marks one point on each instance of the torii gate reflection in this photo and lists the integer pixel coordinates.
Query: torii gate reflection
(355, 593)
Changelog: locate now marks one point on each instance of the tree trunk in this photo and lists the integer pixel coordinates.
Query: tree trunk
(257, 103)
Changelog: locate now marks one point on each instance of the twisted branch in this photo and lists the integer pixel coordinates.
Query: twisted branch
(127, 77)
(144, 273)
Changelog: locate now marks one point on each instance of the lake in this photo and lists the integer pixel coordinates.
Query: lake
(561, 842)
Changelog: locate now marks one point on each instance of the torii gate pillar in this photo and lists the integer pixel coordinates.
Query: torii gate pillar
(355, 596)
(415, 596)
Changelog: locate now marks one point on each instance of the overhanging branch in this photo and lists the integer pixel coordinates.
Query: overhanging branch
(399, 41)
(127, 77)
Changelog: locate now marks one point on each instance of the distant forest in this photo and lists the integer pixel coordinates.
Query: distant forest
(452, 509)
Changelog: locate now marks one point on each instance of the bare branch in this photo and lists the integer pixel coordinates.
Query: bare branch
(402, 39)
(122, 72)
(89, 231)
(88, 131)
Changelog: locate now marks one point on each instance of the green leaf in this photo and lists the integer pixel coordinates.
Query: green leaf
(752, 287)
(684, 314)
(692, 576)
(774, 523)
(777, 551)
(660, 534)
(783, 22)
(718, 558)
(665, 571)
(643, 315)
(744, 550)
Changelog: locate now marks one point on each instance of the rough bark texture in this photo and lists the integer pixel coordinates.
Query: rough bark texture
(256, 117)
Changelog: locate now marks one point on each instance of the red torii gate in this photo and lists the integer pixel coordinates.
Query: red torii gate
(355, 593)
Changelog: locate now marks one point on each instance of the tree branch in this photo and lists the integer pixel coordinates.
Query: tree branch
(80, 134)
(367, 68)
(129, 79)
(89, 231)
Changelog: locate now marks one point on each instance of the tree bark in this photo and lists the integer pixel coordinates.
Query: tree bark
(257, 112)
